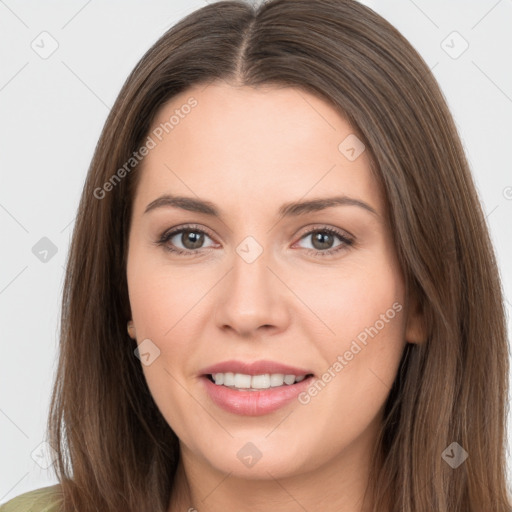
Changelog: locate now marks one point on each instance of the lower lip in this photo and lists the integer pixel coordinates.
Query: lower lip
(254, 403)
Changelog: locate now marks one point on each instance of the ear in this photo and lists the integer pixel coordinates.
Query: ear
(415, 328)
(131, 329)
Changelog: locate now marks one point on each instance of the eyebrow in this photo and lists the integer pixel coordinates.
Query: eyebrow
(292, 209)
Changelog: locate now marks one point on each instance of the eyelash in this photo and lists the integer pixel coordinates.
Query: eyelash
(167, 235)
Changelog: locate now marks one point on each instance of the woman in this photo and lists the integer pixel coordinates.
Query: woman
(281, 290)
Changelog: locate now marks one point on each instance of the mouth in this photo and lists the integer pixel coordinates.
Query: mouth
(254, 388)
(261, 382)
(254, 395)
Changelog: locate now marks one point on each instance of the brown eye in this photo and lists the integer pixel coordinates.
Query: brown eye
(185, 240)
(322, 241)
(192, 239)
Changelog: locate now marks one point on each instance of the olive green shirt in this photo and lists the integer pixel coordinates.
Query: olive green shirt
(45, 499)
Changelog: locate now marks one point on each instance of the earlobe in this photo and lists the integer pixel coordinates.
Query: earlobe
(131, 329)
(415, 329)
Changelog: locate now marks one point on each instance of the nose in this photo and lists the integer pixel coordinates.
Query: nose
(252, 299)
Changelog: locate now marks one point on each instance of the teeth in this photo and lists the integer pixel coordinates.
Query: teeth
(255, 382)
(229, 379)
(242, 381)
(276, 379)
(289, 379)
(260, 381)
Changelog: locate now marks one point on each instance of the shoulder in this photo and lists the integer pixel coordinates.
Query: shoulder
(44, 499)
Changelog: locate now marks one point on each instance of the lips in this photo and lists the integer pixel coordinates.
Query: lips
(251, 402)
(254, 368)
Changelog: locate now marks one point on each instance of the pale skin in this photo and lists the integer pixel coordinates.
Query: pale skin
(249, 151)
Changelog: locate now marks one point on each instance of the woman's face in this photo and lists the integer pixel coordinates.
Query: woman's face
(316, 287)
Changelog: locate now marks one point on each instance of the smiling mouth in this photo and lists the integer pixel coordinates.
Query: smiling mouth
(262, 382)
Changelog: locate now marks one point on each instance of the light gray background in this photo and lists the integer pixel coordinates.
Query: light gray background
(51, 114)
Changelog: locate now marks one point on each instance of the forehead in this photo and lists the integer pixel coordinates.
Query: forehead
(265, 144)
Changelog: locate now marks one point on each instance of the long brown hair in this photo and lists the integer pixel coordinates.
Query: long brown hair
(115, 449)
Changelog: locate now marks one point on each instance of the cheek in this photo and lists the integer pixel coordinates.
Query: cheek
(159, 294)
(361, 364)
(166, 303)
(159, 310)
(352, 298)
(362, 347)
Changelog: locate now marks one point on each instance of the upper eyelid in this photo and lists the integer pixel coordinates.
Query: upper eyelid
(189, 227)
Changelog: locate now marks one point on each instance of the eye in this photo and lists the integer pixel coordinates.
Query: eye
(322, 239)
(190, 237)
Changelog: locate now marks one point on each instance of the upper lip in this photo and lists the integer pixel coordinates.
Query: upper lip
(254, 368)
